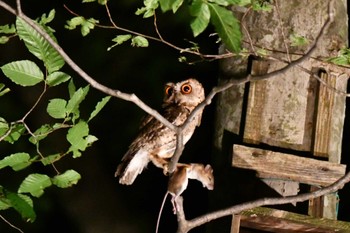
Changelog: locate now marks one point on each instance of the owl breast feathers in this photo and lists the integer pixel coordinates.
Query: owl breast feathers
(156, 142)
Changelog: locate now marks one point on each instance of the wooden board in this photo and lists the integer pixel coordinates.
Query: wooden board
(280, 111)
(280, 221)
(271, 164)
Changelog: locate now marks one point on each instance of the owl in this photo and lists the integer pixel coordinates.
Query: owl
(156, 142)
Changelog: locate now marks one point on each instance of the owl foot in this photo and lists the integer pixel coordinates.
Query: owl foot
(166, 169)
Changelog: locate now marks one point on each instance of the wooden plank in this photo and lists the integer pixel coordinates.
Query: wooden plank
(256, 104)
(329, 123)
(280, 221)
(280, 111)
(236, 223)
(324, 116)
(287, 167)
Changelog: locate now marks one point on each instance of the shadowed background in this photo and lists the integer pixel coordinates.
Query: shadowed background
(98, 203)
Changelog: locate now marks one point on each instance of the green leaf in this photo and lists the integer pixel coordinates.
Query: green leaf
(8, 29)
(45, 19)
(85, 24)
(262, 5)
(343, 57)
(22, 204)
(16, 161)
(227, 26)
(102, 2)
(77, 138)
(67, 179)
(90, 139)
(24, 73)
(176, 5)
(4, 203)
(297, 40)
(75, 100)
(201, 12)
(56, 78)
(16, 132)
(50, 159)
(74, 22)
(39, 46)
(3, 90)
(139, 41)
(4, 39)
(57, 108)
(166, 5)
(4, 126)
(71, 88)
(224, 2)
(120, 39)
(40, 133)
(99, 107)
(35, 184)
(149, 8)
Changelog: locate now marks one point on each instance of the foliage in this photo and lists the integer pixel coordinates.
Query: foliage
(343, 57)
(204, 12)
(297, 40)
(65, 114)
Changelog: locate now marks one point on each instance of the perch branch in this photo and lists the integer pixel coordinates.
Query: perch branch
(187, 225)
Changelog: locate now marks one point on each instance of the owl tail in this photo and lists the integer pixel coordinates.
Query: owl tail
(131, 166)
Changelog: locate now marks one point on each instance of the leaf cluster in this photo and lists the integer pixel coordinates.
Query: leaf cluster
(204, 12)
(65, 114)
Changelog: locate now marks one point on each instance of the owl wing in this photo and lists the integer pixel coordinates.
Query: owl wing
(153, 139)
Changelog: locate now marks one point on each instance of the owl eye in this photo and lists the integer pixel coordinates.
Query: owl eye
(186, 89)
(168, 90)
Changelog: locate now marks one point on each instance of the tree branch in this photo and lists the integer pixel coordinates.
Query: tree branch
(187, 225)
(180, 147)
(115, 93)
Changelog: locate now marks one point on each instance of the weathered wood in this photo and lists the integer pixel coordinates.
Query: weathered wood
(328, 134)
(277, 111)
(324, 116)
(283, 111)
(287, 167)
(278, 221)
(236, 223)
(283, 187)
(316, 205)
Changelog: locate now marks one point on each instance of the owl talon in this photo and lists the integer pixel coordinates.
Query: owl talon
(166, 169)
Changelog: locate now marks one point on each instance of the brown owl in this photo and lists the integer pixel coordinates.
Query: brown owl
(156, 142)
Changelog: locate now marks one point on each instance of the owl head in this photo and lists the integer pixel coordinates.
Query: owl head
(189, 92)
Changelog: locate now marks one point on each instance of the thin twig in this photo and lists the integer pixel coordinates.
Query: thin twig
(282, 31)
(35, 104)
(104, 89)
(10, 224)
(156, 27)
(247, 32)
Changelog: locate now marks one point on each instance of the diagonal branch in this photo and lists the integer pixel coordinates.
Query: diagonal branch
(115, 93)
(248, 78)
(187, 225)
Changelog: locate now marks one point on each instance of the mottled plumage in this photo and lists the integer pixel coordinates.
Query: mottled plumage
(156, 142)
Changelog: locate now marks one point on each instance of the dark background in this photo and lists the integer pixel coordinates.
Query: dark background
(98, 203)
